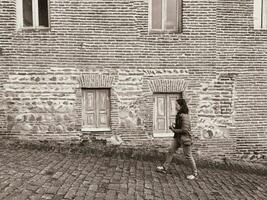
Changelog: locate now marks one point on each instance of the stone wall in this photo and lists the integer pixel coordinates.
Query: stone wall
(219, 59)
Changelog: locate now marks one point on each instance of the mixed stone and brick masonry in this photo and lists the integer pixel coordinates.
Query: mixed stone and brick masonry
(218, 62)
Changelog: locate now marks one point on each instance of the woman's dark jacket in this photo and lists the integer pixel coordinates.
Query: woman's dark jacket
(182, 127)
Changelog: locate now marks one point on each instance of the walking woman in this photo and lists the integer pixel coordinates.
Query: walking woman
(182, 138)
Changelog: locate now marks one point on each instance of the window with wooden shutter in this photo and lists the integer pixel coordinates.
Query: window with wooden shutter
(32, 14)
(260, 14)
(164, 114)
(165, 15)
(95, 110)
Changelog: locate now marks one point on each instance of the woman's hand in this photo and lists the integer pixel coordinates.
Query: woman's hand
(172, 126)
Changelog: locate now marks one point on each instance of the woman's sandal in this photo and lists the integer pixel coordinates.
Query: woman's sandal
(192, 176)
(161, 169)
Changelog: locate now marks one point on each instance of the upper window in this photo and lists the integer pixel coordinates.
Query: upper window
(95, 110)
(165, 15)
(32, 14)
(164, 113)
(260, 14)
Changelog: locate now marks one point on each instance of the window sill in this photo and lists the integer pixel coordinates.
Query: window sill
(160, 135)
(164, 32)
(96, 129)
(33, 29)
(260, 29)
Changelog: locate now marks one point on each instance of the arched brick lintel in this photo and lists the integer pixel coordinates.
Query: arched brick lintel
(167, 85)
(95, 81)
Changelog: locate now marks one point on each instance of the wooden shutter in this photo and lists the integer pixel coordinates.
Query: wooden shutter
(156, 14)
(171, 22)
(102, 99)
(28, 19)
(160, 114)
(257, 14)
(260, 14)
(264, 14)
(89, 108)
(43, 13)
(171, 101)
(180, 15)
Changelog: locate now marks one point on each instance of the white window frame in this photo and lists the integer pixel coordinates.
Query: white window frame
(35, 15)
(260, 14)
(96, 129)
(169, 133)
(164, 17)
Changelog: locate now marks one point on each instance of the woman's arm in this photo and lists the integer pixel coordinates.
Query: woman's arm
(185, 128)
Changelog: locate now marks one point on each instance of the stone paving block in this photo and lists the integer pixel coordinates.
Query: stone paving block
(63, 190)
(71, 193)
(32, 187)
(139, 197)
(57, 175)
(47, 196)
(58, 197)
(111, 195)
(90, 194)
(131, 190)
(35, 197)
(81, 191)
(93, 187)
(79, 198)
(41, 190)
(100, 196)
(149, 197)
(114, 186)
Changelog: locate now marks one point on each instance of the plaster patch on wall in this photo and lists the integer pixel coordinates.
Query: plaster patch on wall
(129, 115)
(215, 107)
(40, 105)
(128, 92)
(41, 118)
(128, 86)
(213, 127)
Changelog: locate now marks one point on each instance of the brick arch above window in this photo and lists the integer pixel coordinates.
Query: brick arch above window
(95, 81)
(167, 85)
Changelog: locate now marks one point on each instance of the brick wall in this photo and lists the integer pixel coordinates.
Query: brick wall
(242, 50)
(219, 56)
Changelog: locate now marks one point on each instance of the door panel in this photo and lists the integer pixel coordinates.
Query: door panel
(159, 113)
(90, 119)
(161, 126)
(89, 114)
(172, 111)
(103, 108)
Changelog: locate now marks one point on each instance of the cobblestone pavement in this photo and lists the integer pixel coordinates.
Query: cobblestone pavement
(37, 175)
